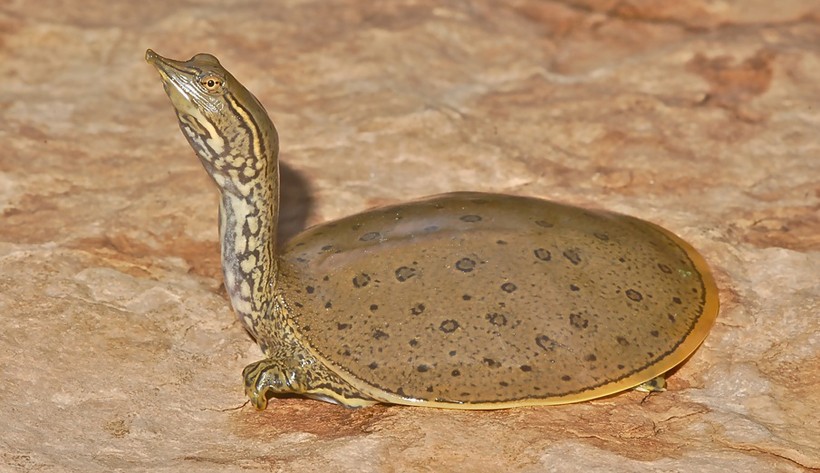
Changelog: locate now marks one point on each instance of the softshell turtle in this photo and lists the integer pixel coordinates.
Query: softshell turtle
(463, 300)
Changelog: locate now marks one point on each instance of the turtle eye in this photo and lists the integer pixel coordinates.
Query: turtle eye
(211, 83)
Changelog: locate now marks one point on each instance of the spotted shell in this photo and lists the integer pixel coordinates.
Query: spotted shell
(488, 300)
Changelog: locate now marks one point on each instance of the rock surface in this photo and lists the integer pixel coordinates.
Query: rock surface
(119, 351)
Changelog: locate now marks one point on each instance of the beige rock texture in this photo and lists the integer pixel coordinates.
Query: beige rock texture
(119, 350)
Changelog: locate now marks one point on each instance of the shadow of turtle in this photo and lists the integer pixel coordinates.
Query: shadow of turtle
(295, 203)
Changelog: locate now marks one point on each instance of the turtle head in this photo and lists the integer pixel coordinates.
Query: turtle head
(225, 124)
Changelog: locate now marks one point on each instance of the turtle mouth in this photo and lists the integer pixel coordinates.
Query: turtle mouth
(168, 67)
(177, 80)
(162, 65)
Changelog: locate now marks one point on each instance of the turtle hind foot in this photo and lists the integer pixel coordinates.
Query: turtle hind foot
(273, 377)
(654, 385)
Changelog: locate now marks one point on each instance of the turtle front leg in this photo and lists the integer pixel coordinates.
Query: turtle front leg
(277, 376)
(269, 375)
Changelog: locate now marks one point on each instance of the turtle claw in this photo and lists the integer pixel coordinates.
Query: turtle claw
(257, 398)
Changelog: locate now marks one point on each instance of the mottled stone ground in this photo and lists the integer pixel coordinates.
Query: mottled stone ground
(119, 352)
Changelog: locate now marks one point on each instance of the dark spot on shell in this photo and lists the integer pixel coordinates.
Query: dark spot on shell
(429, 389)
(466, 297)
(310, 289)
(544, 223)
(380, 335)
(341, 326)
(452, 353)
(676, 300)
(578, 320)
(301, 259)
(465, 264)
(374, 307)
(361, 280)
(573, 255)
(503, 383)
(328, 305)
(566, 377)
(620, 367)
(622, 259)
(345, 351)
(470, 218)
(298, 304)
(542, 254)
(526, 368)
(417, 309)
(414, 342)
(497, 319)
(500, 242)
(672, 318)
(422, 368)
(491, 363)
(430, 228)
(601, 236)
(373, 365)
(370, 236)
(573, 287)
(666, 269)
(455, 373)
(546, 343)
(508, 287)
(634, 295)
(654, 333)
(622, 341)
(404, 273)
(449, 326)
(326, 278)
(590, 357)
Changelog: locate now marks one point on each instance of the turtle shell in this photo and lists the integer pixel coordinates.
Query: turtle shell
(487, 301)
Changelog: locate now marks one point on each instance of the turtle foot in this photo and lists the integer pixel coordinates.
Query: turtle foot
(268, 376)
(654, 385)
(275, 377)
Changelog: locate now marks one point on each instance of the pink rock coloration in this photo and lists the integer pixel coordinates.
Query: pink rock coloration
(119, 350)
